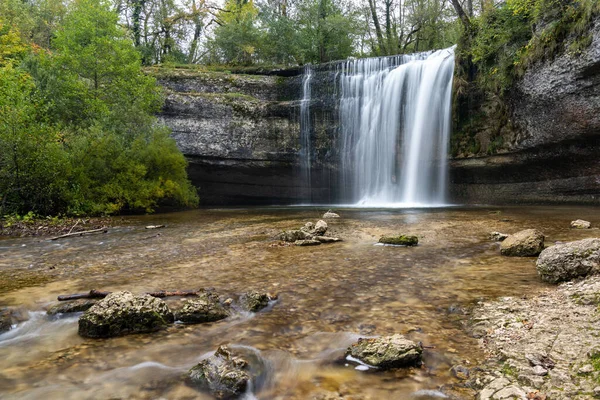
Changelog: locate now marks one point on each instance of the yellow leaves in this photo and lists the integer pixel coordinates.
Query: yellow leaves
(11, 45)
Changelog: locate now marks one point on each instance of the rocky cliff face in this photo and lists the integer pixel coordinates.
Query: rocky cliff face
(551, 140)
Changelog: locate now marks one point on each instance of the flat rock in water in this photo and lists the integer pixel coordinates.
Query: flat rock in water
(293, 236)
(223, 374)
(122, 313)
(386, 352)
(400, 240)
(330, 214)
(71, 306)
(205, 308)
(254, 301)
(567, 261)
(581, 224)
(497, 236)
(307, 242)
(526, 243)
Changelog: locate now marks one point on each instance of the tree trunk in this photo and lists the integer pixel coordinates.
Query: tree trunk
(378, 33)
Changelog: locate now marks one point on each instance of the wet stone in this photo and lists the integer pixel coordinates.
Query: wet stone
(401, 240)
(224, 374)
(327, 239)
(5, 320)
(566, 261)
(122, 313)
(307, 242)
(71, 306)
(330, 214)
(294, 235)
(205, 308)
(460, 372)
(497, 236)
(254, 301)
(386, 352)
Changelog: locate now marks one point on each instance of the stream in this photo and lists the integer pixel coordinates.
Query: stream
(329, 296)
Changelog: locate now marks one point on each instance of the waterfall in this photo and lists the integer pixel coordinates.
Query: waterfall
(394, 126)
(305, 131)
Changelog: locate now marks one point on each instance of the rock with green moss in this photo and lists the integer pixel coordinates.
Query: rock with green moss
(387, 352)
(294, 235)
(400, 240)
(122, 313)
(71, 306)
(566, 261)
(254, 301)
(205, 308)
(224, 374)
(526, 243)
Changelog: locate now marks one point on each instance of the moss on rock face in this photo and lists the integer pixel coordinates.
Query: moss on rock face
(401, 240)
(123, 313)
(205, 308)
(386, 352)
(254, 301)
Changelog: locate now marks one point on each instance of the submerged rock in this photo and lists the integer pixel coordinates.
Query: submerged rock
(566, 261)
(527, 243)
(122, 313)
(327, 239)
(309, 242)
(581, 224)
(497, 236)
(295, 235)
(254, 301)
(205, 308)
(403, 240)
(223, 374)
(387, 352)
(71, 306)
(5, 320)
(330, 214)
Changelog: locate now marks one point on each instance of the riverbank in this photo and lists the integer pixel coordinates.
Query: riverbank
(542, 346)
(52, 226)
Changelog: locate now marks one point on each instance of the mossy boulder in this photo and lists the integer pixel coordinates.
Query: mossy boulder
(71, 306)
(387, 352)
(254, 301)
(526, 243)
(205, 308)
(224, 374)
(400, 240)
(294, 235)
(566, 261)
(122, 313)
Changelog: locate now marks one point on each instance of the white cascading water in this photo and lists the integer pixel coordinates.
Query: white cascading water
(395, 115)
(305, 129)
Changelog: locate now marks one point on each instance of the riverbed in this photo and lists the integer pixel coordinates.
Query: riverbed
(328, 296)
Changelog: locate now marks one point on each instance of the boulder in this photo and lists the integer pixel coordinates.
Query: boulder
(71, 306)
(581, 224)
(330, 214)
(295, 235)
(254, 301)
(308, 227)
(223, 374)
(307, 242)
(5, 320)
(320, 228)
(386, 352)
(527, 243)
(497, 236)
(205, 308)
(122, 313)
(566, 261)
(401, 240)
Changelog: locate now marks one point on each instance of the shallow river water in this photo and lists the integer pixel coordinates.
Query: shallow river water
(329, 296)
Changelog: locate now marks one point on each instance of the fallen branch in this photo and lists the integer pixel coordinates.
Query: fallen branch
(73, 227)
(97, 294)
(104, 229)
(155, 226)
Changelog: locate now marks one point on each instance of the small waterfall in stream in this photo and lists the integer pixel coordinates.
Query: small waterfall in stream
(394, 120)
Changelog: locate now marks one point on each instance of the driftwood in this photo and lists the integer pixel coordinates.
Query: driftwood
(104, 229)
(97, 294)
(154, 226)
